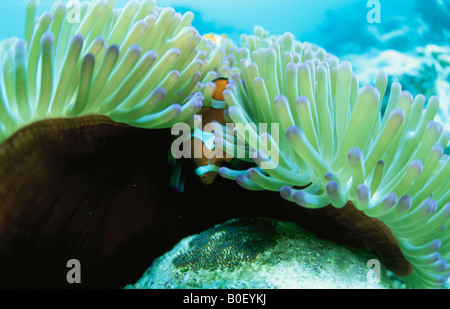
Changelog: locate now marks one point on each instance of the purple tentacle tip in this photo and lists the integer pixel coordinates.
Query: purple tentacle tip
(286, 192)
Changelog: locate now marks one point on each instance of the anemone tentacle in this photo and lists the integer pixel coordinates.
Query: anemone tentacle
(141, 65)
(334, 137)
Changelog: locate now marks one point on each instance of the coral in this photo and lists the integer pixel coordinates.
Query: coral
(227, 245)
(140, 65)
(336, 147)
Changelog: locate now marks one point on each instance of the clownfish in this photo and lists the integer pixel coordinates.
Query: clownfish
(206, 169)
(216, 38)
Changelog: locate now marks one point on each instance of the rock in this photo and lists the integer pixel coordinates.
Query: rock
(261, 254)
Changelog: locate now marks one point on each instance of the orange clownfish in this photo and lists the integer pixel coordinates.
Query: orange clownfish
(216, 38)
(207, 169)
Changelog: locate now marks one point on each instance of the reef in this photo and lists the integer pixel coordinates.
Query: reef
(227, 246)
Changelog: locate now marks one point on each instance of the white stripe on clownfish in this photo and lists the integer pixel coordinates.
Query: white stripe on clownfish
(214, 112)
(206, 137)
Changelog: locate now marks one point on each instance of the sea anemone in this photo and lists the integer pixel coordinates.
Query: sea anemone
(140, 65)
(337, 148)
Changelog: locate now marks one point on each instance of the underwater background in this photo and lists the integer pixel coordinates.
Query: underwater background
(340, 26)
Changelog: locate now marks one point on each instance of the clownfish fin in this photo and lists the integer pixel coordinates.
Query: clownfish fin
(177, 178)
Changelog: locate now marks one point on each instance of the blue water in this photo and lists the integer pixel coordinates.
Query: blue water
(340, 26)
